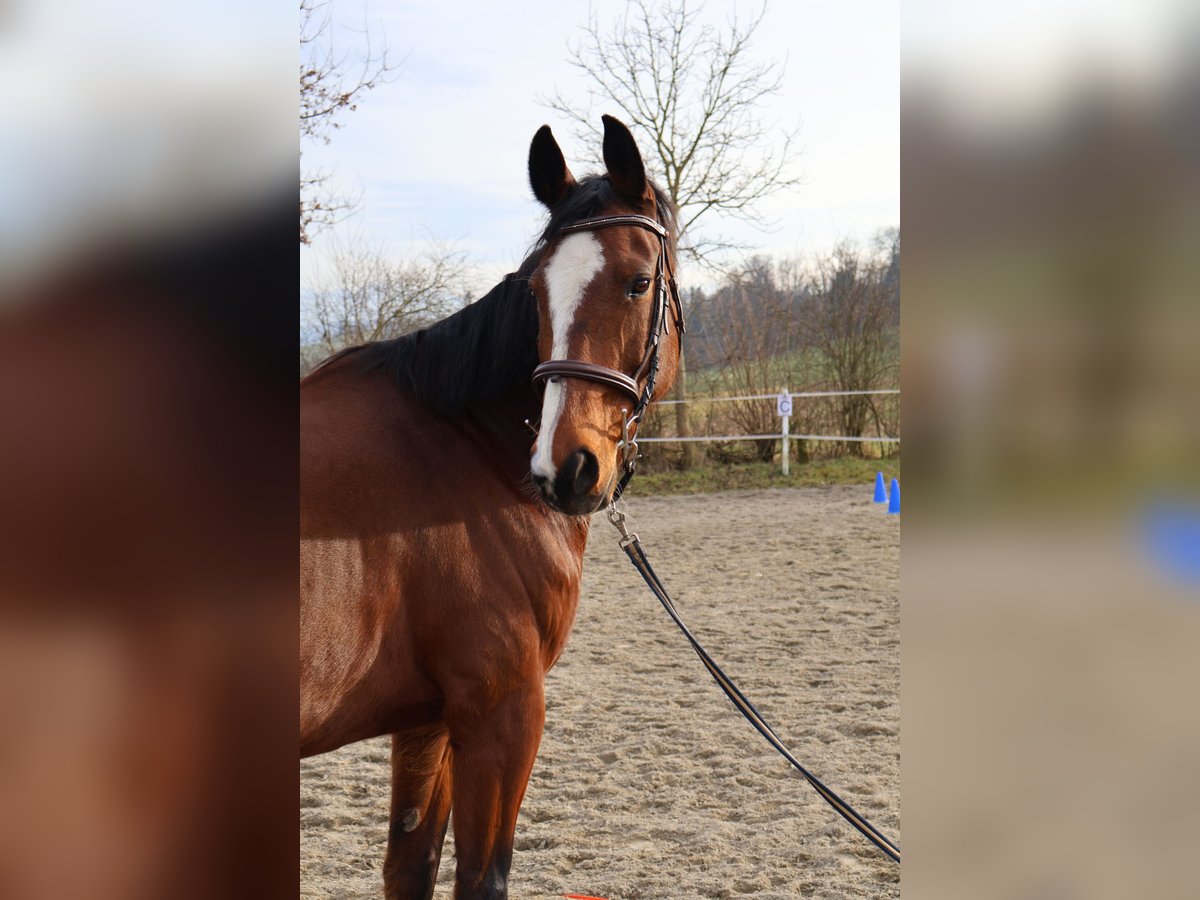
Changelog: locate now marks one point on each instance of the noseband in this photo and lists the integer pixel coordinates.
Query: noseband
(665, 292)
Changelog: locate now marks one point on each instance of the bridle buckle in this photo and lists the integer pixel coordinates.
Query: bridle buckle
(628, 444)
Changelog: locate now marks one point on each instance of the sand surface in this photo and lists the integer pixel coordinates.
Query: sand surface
(649, 784)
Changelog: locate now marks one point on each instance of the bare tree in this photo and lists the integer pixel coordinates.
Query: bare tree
(849, 318)
(750, 331)
(329, 88)
(692, 92)
(364, 294)
(749, 321)
(830, 324)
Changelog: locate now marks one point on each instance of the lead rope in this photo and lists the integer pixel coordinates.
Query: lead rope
(633, 549)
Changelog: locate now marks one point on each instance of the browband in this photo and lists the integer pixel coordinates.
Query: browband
(605, 221)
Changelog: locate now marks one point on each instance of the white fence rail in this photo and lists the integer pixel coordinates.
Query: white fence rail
(783, 399)
(774, 396)
(721, 438)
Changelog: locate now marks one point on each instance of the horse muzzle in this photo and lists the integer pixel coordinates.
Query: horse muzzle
(573, 489)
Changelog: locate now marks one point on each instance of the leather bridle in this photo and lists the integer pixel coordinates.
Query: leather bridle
(640, 386)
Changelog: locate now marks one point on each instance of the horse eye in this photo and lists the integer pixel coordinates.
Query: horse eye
(639, 286)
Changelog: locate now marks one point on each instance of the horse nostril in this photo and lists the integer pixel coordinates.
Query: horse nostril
(580, 473)
(542, 483)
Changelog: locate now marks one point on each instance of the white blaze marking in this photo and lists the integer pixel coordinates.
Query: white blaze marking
(552, 405)
(575, 263)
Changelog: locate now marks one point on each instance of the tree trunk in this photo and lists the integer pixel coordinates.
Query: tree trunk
(683, 427)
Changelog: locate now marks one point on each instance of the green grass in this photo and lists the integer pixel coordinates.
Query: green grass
(807, 367)
(802, 370)
(709, 478)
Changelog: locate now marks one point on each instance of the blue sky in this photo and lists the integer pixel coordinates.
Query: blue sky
(441, 150)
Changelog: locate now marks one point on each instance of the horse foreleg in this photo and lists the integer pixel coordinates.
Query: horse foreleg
(492, 758)
(420, 811)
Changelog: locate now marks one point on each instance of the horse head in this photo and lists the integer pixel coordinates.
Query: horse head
(606, 297)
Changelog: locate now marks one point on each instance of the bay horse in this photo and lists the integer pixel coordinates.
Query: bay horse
(442, 544)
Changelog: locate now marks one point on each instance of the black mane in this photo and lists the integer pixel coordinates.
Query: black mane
(479, 353)
(486, 350)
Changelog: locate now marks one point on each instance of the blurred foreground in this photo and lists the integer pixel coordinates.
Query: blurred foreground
(147, 466)
(1050, 323)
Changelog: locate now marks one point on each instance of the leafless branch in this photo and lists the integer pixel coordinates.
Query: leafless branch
(693, 92)
(330, 87)
(364, 294)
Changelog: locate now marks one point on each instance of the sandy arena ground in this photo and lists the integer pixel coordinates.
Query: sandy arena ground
(649, 784)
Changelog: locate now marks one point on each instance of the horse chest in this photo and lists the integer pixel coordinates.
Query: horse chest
(508, 583)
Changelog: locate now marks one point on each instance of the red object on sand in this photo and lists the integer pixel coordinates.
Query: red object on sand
(581, 897)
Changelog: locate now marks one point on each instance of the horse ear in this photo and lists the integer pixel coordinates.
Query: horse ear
(549, 176)
(624, 162)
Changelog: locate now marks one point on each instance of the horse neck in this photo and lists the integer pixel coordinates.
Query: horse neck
(500, 426)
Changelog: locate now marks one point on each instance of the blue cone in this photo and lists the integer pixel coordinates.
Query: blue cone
(880, 491)
(894, 500)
